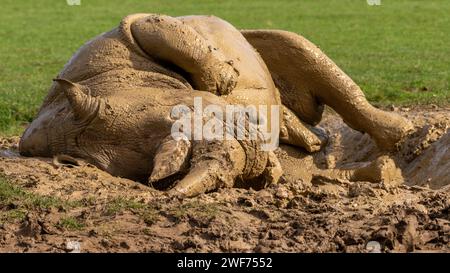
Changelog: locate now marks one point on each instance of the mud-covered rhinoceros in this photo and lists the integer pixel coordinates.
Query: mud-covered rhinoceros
(111, 104)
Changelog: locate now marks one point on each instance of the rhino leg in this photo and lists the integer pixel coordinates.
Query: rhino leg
(222, 165)
(273, 170)
(339, 92)
(225, 164)
(312, 79)
(300, 134)
(214, 164)
(170, 40)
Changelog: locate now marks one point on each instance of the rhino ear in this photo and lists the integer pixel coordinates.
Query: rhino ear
(83, 105)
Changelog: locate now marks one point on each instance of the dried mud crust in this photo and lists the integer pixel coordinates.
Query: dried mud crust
(46, 206)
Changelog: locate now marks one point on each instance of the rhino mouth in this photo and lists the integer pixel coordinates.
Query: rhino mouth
(34, 141)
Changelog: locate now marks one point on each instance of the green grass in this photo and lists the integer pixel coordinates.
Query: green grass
(200, 210)
(117, 205)
(145, 211)
(394, 51)
(15, 202)
(14, 196)
(70, 223)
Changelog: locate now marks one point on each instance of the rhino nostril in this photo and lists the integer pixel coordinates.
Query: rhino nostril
(34, 143)
(25, 153)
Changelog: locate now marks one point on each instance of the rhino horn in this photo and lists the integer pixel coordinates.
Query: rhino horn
(83, 105)
(171, 157)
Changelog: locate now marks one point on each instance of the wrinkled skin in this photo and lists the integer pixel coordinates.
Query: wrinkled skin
(111, 103)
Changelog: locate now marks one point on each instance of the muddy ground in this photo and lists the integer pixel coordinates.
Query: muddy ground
(52, 207)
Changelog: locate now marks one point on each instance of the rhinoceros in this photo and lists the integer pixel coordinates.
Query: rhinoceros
(112, 102)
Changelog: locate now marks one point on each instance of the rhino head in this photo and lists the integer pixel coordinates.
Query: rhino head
(94, 129)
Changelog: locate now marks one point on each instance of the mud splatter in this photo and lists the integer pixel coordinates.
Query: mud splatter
(48, 207)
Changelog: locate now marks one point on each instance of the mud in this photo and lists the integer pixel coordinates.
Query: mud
(305, 212)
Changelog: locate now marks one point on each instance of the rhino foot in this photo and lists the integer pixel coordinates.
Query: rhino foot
(382, 170)
(297, 133)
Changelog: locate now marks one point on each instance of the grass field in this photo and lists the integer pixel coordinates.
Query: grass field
(398, 52)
